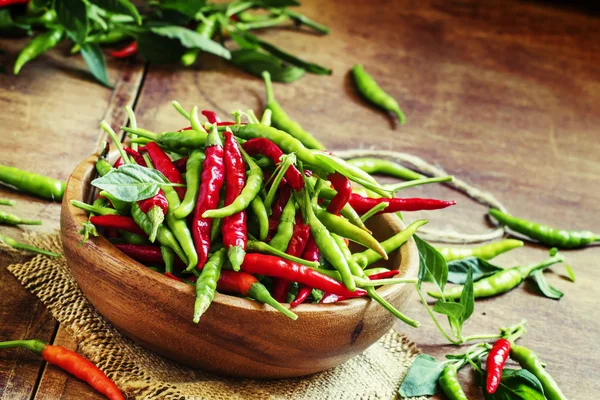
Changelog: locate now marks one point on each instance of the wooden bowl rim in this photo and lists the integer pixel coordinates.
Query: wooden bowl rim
(80, 191)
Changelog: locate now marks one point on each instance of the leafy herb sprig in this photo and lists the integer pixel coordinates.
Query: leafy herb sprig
(165, 31)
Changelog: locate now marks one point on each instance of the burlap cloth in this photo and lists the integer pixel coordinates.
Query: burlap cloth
(141, 374)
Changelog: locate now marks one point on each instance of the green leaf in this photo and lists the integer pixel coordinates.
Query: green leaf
(467, 298)
(422, 377)
(255, 62)
(72, 14)
(517, 384)
(94, 58)
(131, 182)
(287, 57)
(188, 8)
(432, 265)
(192, 40)
(458, 269)
(453, 311)
(158, 49)
(538, 278)
(119, 7)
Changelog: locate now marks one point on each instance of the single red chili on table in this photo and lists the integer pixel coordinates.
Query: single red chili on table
(273, 266)
(269, 149)
(71, 362)
(117, 222)
(344, 189)
(163, 163)
(363, 204)
(213, 175)
(234, 226)
(129, 50)
(295, 248)
(495, 363)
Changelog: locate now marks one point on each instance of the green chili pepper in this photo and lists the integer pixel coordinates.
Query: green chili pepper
(94, 209)
(285, 229)
(215, 229)
(500, 282)
(7, 202)
(304, 20)
(22, 246)
(266, 118)
(168, 256)
(192, 180)
(377, 208)
(109, 37)
(371, 91)
(530, 361)
(262, 217)
(38, 45)
(286, 162)
(206, 29)
(206, 285)
(11, 219)
(265, 23)
(385, 167)
(189, 139)
(164, 235)
(326, 243)
(342, 227)
(179, 227)
(103, 167)
(485, 252)
(450, 385)
(29, 182)
(262, 247)
(545, 234)
(133, 238)
(369, 256)
(121, 206)
(249, 193)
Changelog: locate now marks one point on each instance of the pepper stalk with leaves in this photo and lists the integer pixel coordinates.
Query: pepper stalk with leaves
(167, 31)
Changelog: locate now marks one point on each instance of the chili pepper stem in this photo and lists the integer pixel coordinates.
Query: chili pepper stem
(236, 255)
(435, 321)
(35, 346)
(403, 185)
(263, 296)
(93, 209)
(22, 246)
(141, 132)
(372, 293)
(156, 216)
(381, 282)
(527, 270)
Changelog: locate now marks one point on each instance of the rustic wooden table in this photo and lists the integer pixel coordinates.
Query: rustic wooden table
(503, 94)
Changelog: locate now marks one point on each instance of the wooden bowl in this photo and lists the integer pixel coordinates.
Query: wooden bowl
(236, 336)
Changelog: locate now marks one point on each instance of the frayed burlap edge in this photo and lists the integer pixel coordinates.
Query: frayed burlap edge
(141, 374)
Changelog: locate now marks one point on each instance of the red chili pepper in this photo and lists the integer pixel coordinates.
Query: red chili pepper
(117, 222)
(71, 362)
(344, 189)
(159, 200)
(163, 163)
(181, 164)
(145, 253)
(295, 248)
(363, 204)
(384, 275)
(6, 3)
(118, 163)
(310, 253)
(211, 116)
(273, 266)
(495, 363)
(234, 226)
(269, 149)
(135, 155)
(129, 50)
(189, 128)
(284, 192)
(213, 175)
(170, 275)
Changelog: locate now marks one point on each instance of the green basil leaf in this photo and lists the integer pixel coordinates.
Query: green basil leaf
(119, 7)
(241, 40)
(467, 298)
(255, 62)
(131, 182)
(94, 58)
(6, 21)
(276, 3)
(517, 384)
(287, 57)
(545, 288)
(158, 49)
(458, 269)
(422, 377)
(192, 40)
(35, 5)
(432, 265)
(72, 14)
(188, 8)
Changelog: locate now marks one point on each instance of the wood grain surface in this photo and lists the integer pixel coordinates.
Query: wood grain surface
(503, 94)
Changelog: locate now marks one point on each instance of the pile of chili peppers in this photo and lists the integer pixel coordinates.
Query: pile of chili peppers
(254, 211)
